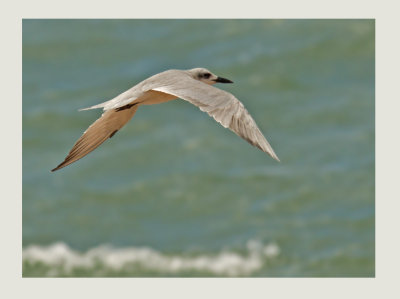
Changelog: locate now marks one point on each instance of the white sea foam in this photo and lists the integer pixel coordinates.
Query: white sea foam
(63, 260)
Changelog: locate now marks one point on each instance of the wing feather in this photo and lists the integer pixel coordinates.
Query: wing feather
(222, 106)
(103, 128)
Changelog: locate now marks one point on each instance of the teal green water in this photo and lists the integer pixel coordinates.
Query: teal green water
(176, 182)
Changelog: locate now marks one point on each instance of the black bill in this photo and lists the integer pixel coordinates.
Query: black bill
(223, 80)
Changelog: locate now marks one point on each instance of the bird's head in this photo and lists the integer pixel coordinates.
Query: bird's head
(206, 76)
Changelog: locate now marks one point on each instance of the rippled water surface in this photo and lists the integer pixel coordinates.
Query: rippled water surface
(176, 194)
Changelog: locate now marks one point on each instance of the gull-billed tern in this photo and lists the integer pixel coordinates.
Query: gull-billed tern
(194, 86)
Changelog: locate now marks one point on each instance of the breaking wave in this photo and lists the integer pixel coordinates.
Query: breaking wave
(59, 260)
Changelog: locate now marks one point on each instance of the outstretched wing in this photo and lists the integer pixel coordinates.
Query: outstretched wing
(222, 106)
(98, 132)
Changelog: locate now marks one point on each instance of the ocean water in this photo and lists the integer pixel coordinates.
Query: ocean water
(176, 194)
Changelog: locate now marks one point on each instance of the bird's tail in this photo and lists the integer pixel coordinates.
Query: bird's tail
(102, 105)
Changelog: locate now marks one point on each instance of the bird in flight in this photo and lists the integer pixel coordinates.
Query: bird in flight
(194, 86)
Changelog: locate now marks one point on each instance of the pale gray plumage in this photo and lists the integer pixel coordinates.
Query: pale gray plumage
(193, 86)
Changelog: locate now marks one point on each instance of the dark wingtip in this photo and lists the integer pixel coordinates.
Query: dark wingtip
(58, 167)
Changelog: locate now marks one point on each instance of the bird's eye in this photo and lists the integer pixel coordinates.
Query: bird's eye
(207, 75)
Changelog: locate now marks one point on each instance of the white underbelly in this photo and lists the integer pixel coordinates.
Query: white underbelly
(155, 97)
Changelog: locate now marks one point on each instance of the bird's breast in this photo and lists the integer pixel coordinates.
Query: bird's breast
(152, 97)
